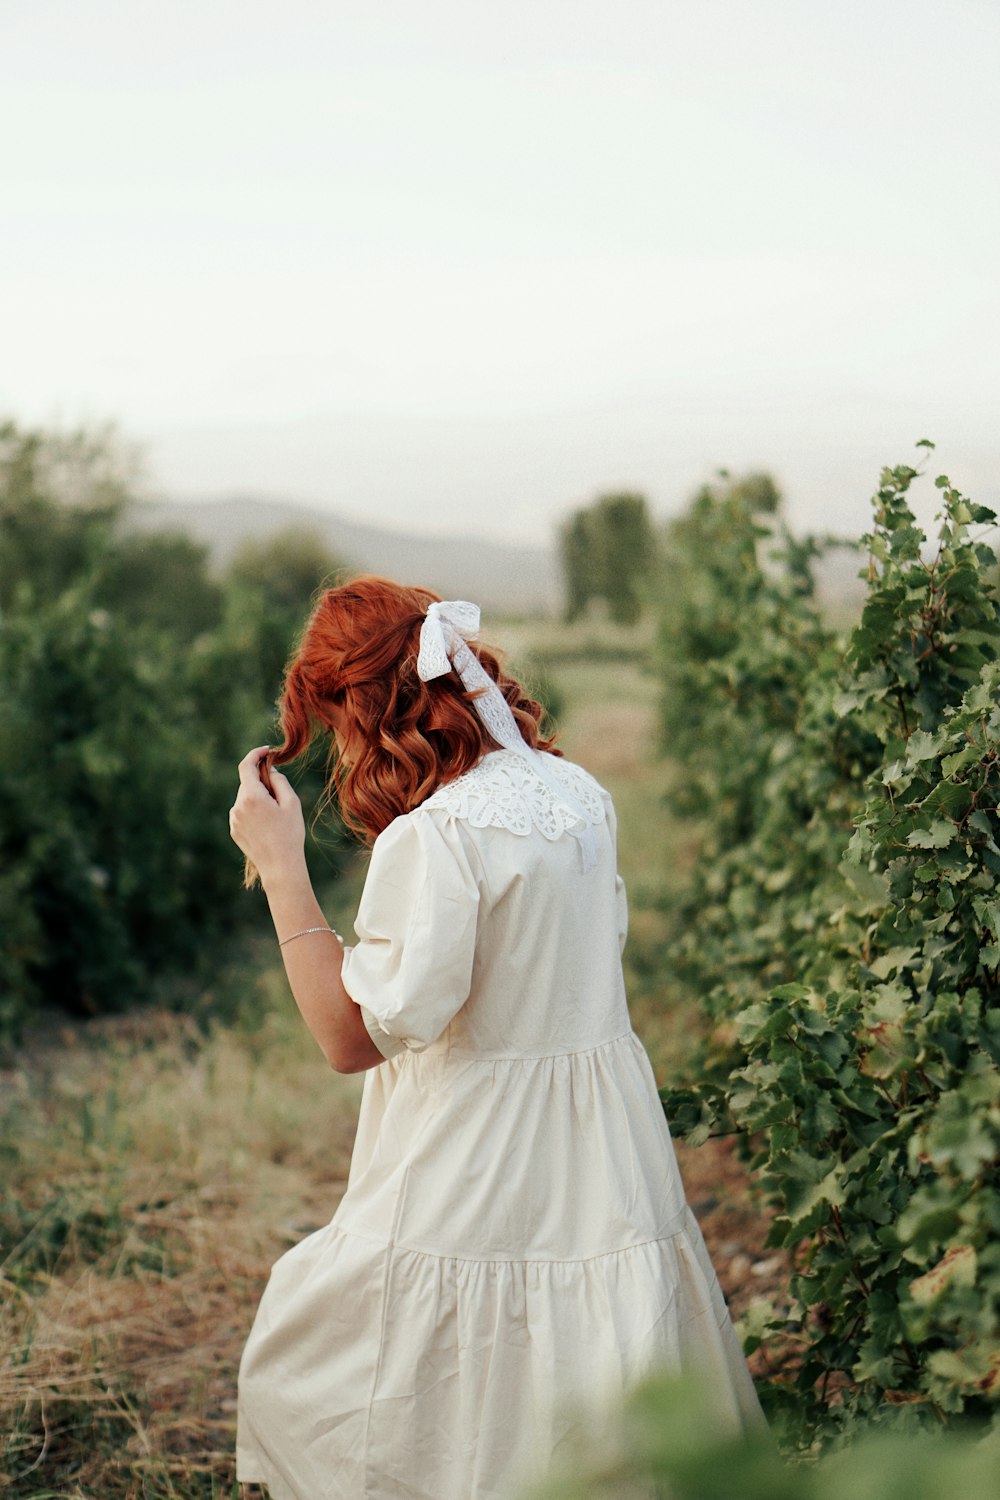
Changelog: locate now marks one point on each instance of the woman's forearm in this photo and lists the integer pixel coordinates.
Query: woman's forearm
(313, 964)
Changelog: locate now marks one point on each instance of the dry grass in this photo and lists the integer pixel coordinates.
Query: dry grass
(152, 1177)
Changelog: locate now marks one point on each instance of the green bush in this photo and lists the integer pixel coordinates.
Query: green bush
(662, 1447)
(846, 906)
(116, 769)
(132, 682)
(742, 654)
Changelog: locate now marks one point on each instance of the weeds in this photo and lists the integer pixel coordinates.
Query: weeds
(152, 1174)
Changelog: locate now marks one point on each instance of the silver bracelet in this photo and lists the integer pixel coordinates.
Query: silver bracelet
(305, 930)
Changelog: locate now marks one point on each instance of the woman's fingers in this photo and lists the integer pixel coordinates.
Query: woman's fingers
(248, 768)
(283, 793)
(266, 824)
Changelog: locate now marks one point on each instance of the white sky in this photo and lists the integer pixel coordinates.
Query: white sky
(456, 264)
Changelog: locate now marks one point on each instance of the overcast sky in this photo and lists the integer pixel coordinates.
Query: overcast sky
(458, 265)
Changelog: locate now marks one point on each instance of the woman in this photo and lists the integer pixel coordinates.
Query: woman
(514, 1236)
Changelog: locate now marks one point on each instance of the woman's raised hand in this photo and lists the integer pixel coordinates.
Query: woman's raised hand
(267, 826)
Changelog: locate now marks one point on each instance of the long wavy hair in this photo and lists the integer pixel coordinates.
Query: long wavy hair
(358, 653)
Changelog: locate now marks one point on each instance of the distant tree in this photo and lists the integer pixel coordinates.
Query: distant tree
(162, 580)
(286, 568)
(271, 585)
(756, 492)
(578, 557)
(628, 544)
(61, 497)
(608, 550)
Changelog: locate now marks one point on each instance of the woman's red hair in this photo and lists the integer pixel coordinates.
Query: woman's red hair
(358, 652)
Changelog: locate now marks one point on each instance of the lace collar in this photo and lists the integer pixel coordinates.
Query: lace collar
(503, 791)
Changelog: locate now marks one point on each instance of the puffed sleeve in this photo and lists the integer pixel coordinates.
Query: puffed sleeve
(411, 969)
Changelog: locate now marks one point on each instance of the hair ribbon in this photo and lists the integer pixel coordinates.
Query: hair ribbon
(444, 635)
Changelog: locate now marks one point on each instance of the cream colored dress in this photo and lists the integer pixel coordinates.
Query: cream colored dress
(514, 1238)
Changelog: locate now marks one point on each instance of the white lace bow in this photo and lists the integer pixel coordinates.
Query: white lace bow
(449, 625)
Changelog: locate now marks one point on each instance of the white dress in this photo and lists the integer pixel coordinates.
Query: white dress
(514, 1237)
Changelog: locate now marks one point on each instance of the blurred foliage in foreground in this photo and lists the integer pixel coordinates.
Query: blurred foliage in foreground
(131, 682)
(664, 1449)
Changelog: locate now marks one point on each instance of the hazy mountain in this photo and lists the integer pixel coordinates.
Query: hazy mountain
(504, 578)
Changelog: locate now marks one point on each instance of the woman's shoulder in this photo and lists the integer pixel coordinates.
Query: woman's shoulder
(513, 791)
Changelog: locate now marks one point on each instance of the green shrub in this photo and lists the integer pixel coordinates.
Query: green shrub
(116, 770)
(663, 1447)
(848, 947)
(132, 682)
